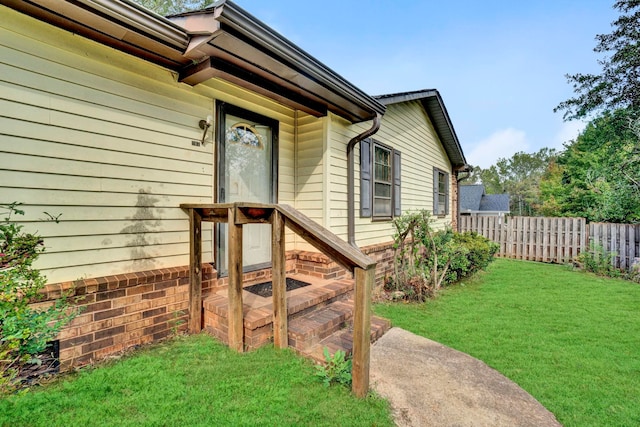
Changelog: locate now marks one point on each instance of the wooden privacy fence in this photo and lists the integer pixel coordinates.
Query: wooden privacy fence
(556, 240)
(621, 240)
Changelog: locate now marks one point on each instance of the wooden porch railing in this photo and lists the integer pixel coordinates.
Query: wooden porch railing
(279, 216)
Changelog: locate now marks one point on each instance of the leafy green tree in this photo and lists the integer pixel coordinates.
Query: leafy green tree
(172, 7)
(618, 85)
(598, 174)
(519, 177)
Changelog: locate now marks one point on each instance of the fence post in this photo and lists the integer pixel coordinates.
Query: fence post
(622, 253)
(634, 237)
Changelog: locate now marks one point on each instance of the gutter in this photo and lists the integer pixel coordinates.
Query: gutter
(351, 227)
(238, 21)
(465, 168)
(145, 21)
(241, 20)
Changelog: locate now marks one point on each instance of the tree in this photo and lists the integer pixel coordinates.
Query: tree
(598, 174)
(172, 7)
(618, 85)
(519, 177)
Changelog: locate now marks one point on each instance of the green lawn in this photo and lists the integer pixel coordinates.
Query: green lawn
(195, 381)
(570, 339)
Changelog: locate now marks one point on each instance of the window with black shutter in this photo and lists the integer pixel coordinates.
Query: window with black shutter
(440, 192)
(380, 181)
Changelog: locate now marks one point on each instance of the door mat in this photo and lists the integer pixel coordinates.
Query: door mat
(265, 289)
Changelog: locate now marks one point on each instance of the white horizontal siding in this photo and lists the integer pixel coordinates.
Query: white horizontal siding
(104, 149)
(102, 141)
(310, 171)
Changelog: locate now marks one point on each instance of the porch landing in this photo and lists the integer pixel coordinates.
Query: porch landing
(319, 315)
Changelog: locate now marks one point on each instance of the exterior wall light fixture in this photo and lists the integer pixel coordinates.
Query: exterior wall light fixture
(205, 125)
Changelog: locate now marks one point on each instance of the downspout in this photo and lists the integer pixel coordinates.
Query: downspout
(351, 220)
(467, 169)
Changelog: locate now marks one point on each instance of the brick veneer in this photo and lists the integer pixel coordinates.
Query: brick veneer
(127, 310)
(455, 206)
(319, 265)
(123, 311)
(382, 253)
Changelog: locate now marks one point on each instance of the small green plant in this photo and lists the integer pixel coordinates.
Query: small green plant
(599, 261)
(24, 330)
(337, 369)
(176, 322)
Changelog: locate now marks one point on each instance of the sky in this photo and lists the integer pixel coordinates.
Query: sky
(499, 65)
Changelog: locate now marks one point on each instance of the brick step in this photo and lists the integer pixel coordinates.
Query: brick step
(258, 318)
(307, 330)
(343, 340)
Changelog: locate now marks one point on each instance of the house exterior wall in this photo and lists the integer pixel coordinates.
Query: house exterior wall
(103, 141)
(310, 172)
(406, 128)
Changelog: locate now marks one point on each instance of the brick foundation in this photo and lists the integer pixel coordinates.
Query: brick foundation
(128, 310)
(123, 311)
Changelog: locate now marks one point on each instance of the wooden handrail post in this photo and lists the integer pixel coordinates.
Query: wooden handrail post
(278, 280)
(195, 272)
(361, 331)
(236, 320)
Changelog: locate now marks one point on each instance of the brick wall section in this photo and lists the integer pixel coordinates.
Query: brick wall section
(319, 265)
(454, 201)
(382, 253)
(123, 311)
(128, 310)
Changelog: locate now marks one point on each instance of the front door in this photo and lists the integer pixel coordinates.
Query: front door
(247, 152)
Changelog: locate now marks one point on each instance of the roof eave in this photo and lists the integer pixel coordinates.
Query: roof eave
(123, 25)
(354, 104)
(126, 26)
(437, 111)
(293, 54)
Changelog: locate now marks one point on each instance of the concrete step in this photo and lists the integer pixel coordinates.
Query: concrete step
(343, 340)
(308, 330)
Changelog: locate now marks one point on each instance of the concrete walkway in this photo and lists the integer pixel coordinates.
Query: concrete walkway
(429, 384)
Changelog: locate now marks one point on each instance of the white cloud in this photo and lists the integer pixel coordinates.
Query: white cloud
(503, 143)
(568, 132)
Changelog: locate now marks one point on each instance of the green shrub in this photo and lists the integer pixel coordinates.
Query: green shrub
(425, 260)
(599, 261)
(24, 330)
(479, 252)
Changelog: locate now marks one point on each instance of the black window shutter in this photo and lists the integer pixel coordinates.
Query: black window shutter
(446, 183)
(435, 191)
(365, 178)
(397, 208)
